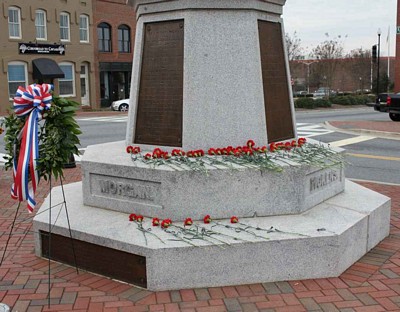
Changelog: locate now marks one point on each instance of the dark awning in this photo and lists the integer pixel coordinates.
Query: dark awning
(46, 68)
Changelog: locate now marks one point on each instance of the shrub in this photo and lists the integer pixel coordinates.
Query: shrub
(350, 99)
(322, 103)
(305, 103)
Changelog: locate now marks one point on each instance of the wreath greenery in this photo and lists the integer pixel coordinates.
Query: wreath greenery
(58, 138)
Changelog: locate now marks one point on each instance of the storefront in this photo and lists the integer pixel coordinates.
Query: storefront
(114, 82)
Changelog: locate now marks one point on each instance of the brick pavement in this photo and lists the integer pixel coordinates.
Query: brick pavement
(381, 126)
(371, 284)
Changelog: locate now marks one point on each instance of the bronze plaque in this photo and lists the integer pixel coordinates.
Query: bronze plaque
(275, 81)
(94, 258)
(160, 105)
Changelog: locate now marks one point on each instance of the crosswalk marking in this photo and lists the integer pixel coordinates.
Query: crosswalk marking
(354, 140)
(311, 130)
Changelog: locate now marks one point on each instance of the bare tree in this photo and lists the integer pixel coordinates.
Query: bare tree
(328, 52)
(293, 46)
(360, 67)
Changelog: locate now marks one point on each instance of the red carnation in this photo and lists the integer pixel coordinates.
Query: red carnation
(189, 154)
(157, 153)
(188, 222)
(136, 150)
(294, 143)
(165, 155)
(273, 147)
(301, 141)
(218, 151)
(166, 223)
(156, 222)
(288, 146)
(147, 156)
(211, 151)
(207, 219)
(177, 152)
(247, 151)
(250, 143)
(139, 218)
(264, 149)
(234, 219)
(132, 217)
(129, 149)
(200, 152)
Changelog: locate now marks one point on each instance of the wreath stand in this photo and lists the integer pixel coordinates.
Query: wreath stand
(62, 205)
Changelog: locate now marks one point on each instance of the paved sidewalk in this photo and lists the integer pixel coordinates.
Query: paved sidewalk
(371, 284)
(378, 128)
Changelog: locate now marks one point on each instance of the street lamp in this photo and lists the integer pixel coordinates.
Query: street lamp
(378, 59)
(308, 64)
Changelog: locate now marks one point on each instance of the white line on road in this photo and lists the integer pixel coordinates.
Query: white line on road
(358, 139)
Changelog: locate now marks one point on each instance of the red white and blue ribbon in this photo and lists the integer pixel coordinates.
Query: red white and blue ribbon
(31, 103)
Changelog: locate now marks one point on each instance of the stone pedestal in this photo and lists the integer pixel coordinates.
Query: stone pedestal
(209, 73)
(321, 242)
(113, 181)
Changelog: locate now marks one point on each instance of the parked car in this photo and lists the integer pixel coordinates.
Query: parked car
(299, 93)
(120, 105)
(389, 103)
(323, 92)
(319, 94)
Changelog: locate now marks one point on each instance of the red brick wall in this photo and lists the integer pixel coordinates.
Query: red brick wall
(114, 13)
(345, 78)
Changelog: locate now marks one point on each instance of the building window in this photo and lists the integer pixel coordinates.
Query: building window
(14, 22)
(17, 74)
(124, 39)
(84, 28)
(104, 37)
(40, 23)
(64, 27)
(67, 84)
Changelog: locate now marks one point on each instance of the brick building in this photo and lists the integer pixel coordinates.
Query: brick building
(347, 74)
(115, 23)
(397, 66)
(46, 41)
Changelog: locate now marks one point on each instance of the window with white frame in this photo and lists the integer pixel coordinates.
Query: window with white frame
(67, 84)
(40, 24)
(84, 28)
(17, 76)
(64, 27)
(14, 22)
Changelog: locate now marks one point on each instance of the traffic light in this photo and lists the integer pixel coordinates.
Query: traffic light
(374, 53)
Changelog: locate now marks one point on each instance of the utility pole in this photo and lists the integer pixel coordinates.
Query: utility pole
(379, 54)
(308, 64)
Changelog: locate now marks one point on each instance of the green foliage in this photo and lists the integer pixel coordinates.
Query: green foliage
(311, 103)
(350, 99)
(322, 103)
(304, 103)
(58, 137)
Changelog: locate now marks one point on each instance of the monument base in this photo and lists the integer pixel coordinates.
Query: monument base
(114, 181)
(320, 242)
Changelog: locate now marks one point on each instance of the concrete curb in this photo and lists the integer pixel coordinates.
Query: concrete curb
(374, 133)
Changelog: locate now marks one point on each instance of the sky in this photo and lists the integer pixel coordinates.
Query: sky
(356, 21)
